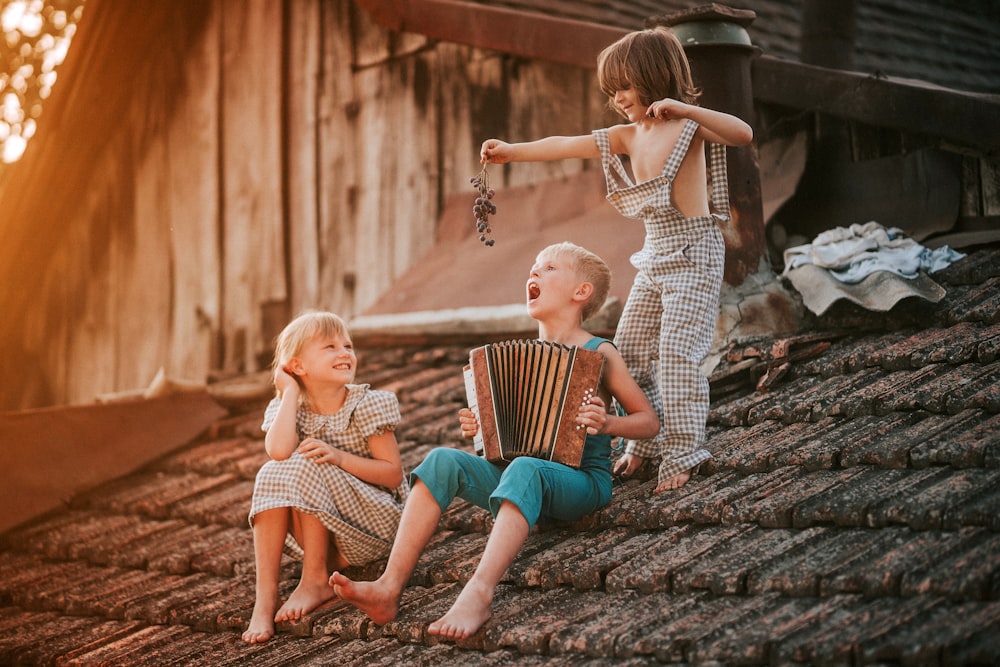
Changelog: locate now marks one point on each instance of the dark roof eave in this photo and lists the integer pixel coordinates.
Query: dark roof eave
(958, 116)
(912, 106)
(526, 34)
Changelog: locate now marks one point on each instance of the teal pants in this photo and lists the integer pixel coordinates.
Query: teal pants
(541, 490)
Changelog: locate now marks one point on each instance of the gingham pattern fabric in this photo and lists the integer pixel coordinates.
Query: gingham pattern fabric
(362, 518)
(668, 322)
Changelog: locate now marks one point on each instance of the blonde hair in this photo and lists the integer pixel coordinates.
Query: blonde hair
(653, 62)
(303, 329)
(590, 268)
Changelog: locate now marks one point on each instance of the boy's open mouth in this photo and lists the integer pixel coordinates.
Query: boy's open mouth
(533, 291)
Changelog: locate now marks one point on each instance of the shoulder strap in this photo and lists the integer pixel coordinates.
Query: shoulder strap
(719, 177)
(720, 181)
(612, 163)
(595, 343)
(680, 149)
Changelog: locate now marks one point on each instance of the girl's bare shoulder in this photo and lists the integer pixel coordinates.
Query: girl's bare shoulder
(621, 136)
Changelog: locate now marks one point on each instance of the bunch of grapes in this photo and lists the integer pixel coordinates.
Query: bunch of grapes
(484, 206)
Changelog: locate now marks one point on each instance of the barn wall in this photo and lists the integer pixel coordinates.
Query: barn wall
(211, 168)
(268, 157)
(88, 215)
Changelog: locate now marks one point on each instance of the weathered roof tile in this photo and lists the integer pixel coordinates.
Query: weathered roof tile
(736, 567)
(77, 530)
(593, 633)
(967, 439)
(106, 593)
(224, 555)
(216, 457)
(72, 641)
(774, 500)
(202, 612)
(226, 505)
(117, 540)
(849, 511)
(980, 304)
(882, 441)
(975, 511)
(544, 615)
(711, 501)
(751, 644)
(970, 574)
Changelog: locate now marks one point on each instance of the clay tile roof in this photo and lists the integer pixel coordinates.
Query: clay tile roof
(851, 514)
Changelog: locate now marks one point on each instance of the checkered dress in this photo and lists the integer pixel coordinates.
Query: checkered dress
(361, 517)
(668, 322)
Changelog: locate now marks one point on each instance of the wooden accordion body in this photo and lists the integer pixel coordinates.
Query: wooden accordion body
(527, 394)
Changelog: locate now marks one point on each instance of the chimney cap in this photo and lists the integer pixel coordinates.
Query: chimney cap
(710, 12)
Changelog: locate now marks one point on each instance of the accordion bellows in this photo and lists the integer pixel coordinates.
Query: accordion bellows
(526, 395)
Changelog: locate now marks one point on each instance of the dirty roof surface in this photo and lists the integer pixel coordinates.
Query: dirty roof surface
(851, 515)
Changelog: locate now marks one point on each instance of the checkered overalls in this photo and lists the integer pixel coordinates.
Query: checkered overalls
(668, 323)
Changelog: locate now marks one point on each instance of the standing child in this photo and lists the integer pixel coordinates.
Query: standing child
(567, 285)
(334, 488)
(668, 322)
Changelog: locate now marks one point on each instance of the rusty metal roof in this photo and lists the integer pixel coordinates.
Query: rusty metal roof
(851, 514)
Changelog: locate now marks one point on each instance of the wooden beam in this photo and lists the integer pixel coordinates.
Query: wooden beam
(966, 119)
(519, 33)
(911, 106)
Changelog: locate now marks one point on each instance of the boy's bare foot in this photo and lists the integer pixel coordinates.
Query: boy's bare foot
(466, 616)
(380, 605)
(675, 482)
(261, 626)
(306, 597)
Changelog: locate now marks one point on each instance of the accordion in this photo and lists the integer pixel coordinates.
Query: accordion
(526, 395)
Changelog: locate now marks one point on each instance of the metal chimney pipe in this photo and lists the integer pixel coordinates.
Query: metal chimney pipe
(719, 49)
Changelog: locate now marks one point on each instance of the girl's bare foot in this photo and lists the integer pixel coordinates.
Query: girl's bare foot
(675, 482)
(306, 597)
(371, 597)
(261, 626)
(335, 562)
(466, 616)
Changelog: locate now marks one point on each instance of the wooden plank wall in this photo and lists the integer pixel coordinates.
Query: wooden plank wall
(252, 252)
(277, 156)
(210, 168)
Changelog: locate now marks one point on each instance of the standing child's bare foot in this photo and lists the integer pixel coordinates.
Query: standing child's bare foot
(306, 597)
(675, 482)
(371, 597)
(470, 610)
(261, 627)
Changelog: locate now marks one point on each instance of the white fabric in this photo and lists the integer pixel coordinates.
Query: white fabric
(853, 253)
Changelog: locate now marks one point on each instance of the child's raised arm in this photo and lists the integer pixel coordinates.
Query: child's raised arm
(714, 126)
(281, 438)
(549, 148)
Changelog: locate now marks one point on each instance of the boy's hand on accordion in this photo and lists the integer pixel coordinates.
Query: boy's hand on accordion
(593, 415)
(468, 422)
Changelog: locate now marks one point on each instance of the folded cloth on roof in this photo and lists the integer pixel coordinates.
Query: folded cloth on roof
(878, 292)
(853, 253)
(867, 264)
